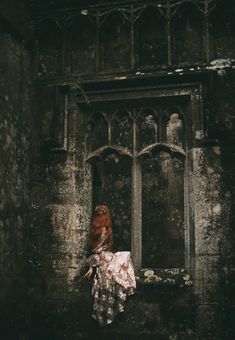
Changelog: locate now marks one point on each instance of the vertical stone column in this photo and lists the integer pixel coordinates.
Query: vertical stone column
(61, 213)
(68, 190)
(208, 209)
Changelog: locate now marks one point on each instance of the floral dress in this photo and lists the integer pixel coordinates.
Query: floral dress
(113, 281)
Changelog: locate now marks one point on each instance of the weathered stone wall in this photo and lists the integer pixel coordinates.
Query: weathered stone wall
(60, 214)
(210, 204)
(46, 203)
(15, 134)
(57, 236)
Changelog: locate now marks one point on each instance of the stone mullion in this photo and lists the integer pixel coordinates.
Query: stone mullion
(63, 54)
(136, 204)
(188, 241)
(207, 32)
(65, 132)
(168, 18)
(109, 132)
(132, 40)
(97, 58)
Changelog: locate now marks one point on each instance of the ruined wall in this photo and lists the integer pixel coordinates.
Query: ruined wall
(60, 188)
(15, 134)
(46, 193)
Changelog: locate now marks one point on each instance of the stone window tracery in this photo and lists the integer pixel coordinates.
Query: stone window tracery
(146, 35)
(138, 169)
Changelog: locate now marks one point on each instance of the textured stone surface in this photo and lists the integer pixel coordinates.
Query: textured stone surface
(15, 127)
(46, 192)
(15, 151)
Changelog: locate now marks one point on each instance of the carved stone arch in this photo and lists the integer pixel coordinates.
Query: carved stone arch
(82, 41)
(114, 49)
(108, 151)
(150, 38)
(107, 13)
(49, 37)
(187, 35)
(154, 149)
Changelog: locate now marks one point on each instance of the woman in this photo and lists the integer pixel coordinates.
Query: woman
(114, 276)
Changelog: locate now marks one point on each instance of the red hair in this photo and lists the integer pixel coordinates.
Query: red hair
(101, 219)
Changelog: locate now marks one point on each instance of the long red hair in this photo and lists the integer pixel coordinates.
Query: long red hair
(101, 219)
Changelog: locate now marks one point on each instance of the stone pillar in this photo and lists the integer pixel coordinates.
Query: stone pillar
(209, 204)
(61, 214)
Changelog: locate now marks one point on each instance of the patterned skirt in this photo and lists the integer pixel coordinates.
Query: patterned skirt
(113, 282)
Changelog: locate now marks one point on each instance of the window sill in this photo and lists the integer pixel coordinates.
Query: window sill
(176, 277)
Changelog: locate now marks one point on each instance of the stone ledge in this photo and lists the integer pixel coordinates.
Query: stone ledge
(177, 277)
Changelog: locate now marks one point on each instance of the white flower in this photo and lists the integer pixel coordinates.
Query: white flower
(149, 273)
(186, 277)
(111, 299)
(188, 283)
(157, 278)
(153, 278)
(168, 280)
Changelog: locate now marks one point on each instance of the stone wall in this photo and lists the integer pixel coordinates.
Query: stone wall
(45, 206)
(210, 201)
(15, 134)
(60, 214)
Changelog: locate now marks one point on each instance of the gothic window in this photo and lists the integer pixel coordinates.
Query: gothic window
(50, 47)
(138, 170)
(187, 33)
(223, 30)
(150, 39)
(83, 44)
(114, 43)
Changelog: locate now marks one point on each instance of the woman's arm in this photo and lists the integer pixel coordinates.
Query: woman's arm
(93, 261)
(88, 273)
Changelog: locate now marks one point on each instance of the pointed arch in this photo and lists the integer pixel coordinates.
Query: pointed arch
(114, 43)
(150, 38)
(83, 46)
(187, 35)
